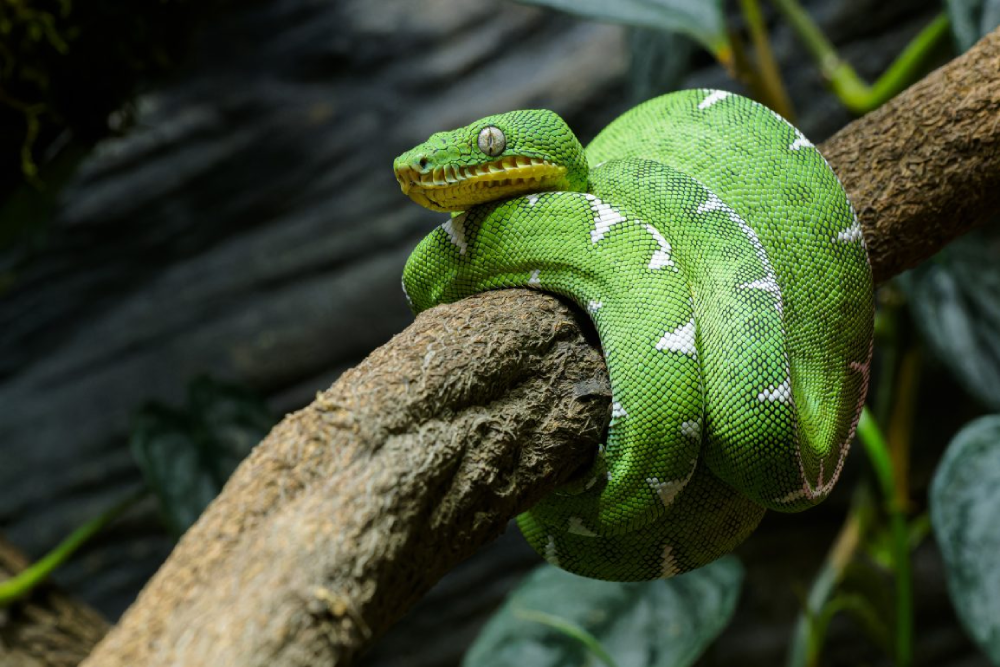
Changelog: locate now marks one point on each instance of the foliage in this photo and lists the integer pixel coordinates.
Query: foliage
(187, 454)
(554, 619)
(971, 19)
(956, 303)
(701, 20)
(965, 498)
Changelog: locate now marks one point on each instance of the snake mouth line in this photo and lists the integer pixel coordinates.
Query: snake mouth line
(455, 188)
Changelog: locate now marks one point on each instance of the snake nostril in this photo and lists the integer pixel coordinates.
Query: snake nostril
(423, 162)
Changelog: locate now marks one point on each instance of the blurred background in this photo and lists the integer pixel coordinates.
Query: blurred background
(200, 229)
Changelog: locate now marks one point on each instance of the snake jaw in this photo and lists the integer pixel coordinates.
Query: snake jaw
(457, 187)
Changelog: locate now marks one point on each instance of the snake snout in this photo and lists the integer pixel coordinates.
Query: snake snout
(409, 171)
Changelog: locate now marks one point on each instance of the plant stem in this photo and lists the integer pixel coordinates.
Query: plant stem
(901, 421)
(878, 453)
(802, 650)
(852, 91)
(21, 585)
(768, 75)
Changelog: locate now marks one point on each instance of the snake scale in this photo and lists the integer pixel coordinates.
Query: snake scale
(725, 271)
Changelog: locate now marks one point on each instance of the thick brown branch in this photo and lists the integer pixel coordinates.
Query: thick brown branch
(353, 507)
(925, 167)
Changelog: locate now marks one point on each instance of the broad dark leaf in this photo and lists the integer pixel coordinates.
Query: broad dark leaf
(666, 623)
(659, 62)
(965, 514)
(701, 20)
(955, 299)
(187, 454)
(972, 19)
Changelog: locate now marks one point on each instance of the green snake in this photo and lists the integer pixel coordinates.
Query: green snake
(725, 271)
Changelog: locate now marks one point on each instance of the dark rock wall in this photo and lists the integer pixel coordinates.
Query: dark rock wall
(249, 227)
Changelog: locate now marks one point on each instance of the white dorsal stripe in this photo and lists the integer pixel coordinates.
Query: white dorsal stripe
(681, 339)
(617, 410)
(534, 279)
(712, 98)
(661, 256)
(455, 228)
(594, 305)
(781, 393)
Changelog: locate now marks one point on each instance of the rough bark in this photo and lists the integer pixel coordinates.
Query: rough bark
(925, 167)
(354, 506)
(47, 628)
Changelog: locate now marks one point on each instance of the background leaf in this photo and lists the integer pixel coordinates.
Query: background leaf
(955, 300)
(666, 623)
(965, 506)
(971, 19)
(186, 455)
(701, 20)
(659, 62)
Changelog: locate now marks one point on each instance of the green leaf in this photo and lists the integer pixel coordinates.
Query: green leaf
(666, 622)
(187, 454)
(659, 62)
(955, 300)
(972, 19)
(702, 20)
(965, 506)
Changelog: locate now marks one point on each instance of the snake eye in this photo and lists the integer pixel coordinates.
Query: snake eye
(491, 141)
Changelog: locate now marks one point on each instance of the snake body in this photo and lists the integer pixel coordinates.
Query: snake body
(725, 271)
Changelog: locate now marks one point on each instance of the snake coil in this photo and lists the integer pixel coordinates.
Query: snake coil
(724, 268)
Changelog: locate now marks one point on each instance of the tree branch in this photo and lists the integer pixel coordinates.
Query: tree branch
(352, 508)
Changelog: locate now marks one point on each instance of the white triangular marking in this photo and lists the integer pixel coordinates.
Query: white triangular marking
(852, 234)
(680, 340)
(534, 279)
(781, 393)
(455, 228)
(670, 567)
(550, 551)
(715, 204)
(713, 97)
(769, 285)
(604, 217)
(577, 528)
(800, 142)
(661, 256)
(691, 429)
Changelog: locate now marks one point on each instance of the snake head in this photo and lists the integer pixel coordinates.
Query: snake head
(496, 157)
